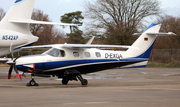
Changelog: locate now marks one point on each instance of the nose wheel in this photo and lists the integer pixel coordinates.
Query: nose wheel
(32, 82)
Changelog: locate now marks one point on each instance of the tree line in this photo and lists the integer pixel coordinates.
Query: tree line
(111, 21)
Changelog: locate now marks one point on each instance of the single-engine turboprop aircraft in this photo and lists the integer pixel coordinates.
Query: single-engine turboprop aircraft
(14, 27)
(70, 61)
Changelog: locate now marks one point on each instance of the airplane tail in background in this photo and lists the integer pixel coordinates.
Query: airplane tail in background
(15, 26)
(21, 10)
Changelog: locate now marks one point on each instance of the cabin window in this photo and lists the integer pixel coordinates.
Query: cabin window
(56, 52)
(98, 54)
(76, 54)
(87, 54)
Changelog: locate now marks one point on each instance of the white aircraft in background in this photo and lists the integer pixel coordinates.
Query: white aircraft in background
(14, 27)
(70, 61)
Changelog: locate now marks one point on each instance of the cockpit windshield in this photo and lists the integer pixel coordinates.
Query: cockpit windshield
(55, 52)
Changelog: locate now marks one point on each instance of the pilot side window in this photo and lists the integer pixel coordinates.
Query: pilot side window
(87, 54)
(56, 52)
(98, 54)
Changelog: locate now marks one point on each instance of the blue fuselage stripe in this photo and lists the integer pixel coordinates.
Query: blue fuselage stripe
(59, 64)
(72, 63)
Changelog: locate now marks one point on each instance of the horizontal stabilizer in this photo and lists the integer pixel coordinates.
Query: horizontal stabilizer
(162, 34)
(41, 22)
(159, 34)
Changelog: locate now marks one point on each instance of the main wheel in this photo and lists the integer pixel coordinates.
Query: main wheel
(65, 81)
(84, 82)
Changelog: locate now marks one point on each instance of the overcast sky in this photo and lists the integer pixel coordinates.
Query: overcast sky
(57, 8)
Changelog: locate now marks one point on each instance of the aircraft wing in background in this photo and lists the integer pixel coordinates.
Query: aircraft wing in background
(40, 22)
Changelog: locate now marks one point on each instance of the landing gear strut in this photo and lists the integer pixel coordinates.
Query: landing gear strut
(83, 81)
(32, 82)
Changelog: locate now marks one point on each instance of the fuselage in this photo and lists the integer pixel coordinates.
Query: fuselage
(56, 60)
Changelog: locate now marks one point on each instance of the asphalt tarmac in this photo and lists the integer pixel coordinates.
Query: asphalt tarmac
(147, 87)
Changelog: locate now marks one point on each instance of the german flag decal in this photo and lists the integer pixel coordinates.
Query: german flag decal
(145, 39)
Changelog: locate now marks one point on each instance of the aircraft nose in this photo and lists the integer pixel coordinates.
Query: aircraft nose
(29, 64)
(20, 60)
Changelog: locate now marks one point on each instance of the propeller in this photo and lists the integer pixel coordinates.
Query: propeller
(12, 64)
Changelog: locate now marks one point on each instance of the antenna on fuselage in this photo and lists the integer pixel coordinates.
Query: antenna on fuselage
(90, 41)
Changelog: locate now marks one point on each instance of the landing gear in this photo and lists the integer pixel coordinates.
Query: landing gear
(65, 81)
(83, 81)
(32, 82)
(73, 74)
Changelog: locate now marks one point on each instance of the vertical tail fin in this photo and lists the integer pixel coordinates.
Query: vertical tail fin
(22, 9)
(145, 43)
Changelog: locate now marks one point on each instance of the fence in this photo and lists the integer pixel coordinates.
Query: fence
(159, 57)
(165, 57)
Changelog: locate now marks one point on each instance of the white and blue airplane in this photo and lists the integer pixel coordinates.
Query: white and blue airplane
(70, 61)
(15, 27)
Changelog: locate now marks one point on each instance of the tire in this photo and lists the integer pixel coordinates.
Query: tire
(84, 82)
(32, 83)
(65, 81)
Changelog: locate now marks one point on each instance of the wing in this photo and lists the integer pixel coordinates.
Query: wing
(5, 59)
(75, 46)
(40, 22)
(97, 46)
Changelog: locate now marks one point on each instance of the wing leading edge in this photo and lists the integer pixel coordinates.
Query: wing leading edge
(81, 46)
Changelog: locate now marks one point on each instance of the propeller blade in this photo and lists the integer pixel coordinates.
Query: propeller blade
(11, 51)
(10, 71)
(17, 73)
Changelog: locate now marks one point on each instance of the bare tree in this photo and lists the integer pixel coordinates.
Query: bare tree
(47, 33)
(169, 24)
(44, 32)
(120, 18)
(59, 36)
(2, 14)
